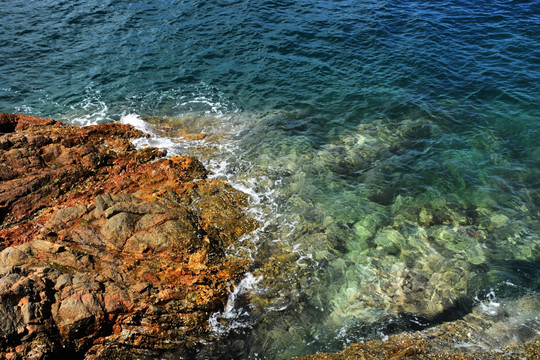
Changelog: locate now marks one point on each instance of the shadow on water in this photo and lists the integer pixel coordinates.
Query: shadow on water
(513, 278)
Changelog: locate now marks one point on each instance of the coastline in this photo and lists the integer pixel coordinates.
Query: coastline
(475, 336)
(112, 252)
(108, 251)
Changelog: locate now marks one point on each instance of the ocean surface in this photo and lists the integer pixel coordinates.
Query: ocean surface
(391, 148)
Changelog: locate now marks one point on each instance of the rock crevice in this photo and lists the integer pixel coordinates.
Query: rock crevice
(108, 251)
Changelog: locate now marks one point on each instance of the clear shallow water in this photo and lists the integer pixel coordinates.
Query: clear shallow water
(391, 148)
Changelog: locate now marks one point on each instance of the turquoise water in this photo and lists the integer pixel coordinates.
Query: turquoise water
(390, 148)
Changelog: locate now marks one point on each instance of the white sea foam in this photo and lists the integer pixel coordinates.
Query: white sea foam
(24, 109)
(233, 316)
(93, 110)
(222, 155)
(490, 306)
(170, 145)
(135, 121)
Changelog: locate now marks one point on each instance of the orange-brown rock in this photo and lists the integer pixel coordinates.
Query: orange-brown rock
(108, 251)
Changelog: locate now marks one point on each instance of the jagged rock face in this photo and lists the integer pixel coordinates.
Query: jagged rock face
(108, 252)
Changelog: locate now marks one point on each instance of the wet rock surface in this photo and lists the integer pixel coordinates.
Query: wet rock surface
(415, 346)
(480, 335)
(108, 251)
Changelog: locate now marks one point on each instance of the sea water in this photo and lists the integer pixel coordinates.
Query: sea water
(390, 148)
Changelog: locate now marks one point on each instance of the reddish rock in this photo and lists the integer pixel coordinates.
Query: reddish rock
(108, 251)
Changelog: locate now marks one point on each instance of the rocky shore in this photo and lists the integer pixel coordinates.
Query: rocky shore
(108, 252)
(479, 335)
(113, 252)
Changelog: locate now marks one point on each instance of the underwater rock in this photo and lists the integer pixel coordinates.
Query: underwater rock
(376, 230)
(490, 332)
(373, 148)
(108, 251)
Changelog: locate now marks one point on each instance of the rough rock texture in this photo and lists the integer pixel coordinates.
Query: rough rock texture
(496, 332)
(108, 251)
(417, 347)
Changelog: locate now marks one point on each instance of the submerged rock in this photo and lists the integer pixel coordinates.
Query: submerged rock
(379, 233)
(490, 332)
(108, 251)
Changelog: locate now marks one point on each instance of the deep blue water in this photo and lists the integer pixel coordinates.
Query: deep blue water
(297, 89)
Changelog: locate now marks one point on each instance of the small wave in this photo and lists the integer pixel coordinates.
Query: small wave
(171, 146)
(490, 306)
(25, 109)
(233, 316)
(91, 110)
